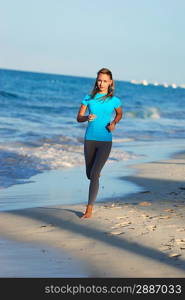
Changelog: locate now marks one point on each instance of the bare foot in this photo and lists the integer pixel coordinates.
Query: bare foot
(88, 212)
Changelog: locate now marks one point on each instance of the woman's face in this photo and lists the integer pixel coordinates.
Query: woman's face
(103, 82)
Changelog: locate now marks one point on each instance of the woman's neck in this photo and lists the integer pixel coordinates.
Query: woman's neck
(102, 92)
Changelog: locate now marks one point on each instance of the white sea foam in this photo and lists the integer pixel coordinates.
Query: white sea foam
(51, 156)
(19, 162)
(147, 112)
(153, 113)
(122, 140)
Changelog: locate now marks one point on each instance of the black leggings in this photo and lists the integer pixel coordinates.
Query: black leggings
(96, 154)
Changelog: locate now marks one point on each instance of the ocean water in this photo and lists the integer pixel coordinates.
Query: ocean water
(39, 131)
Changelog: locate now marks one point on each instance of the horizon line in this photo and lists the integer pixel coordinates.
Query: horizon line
(89, 77)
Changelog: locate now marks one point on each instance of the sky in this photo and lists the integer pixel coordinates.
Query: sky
(135, 39)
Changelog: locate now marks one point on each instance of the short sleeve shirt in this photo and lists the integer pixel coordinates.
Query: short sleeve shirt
(103, 109)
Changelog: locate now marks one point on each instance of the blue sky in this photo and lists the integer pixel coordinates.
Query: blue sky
(136, 39)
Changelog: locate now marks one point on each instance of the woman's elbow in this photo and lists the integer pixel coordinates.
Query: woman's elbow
(78, 118)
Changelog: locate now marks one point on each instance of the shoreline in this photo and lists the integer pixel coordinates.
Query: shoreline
(138, 235)
(55, 187)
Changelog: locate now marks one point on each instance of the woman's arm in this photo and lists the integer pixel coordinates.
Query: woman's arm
(118, 117)
(119, 114)
(81, 117)
(81, 113)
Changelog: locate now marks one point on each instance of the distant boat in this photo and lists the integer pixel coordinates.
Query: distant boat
(144, 82)
(182, 86)
(165, 84)
(156, 83)
(174, 85)
(134, 81)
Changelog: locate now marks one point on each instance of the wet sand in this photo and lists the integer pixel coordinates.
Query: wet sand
(137, 235)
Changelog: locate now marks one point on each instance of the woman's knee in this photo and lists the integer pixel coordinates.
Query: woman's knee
(94, 175)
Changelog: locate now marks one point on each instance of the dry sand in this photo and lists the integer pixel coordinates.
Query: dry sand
(140, 235)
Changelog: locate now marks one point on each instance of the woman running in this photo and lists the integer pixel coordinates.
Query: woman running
(101, 103)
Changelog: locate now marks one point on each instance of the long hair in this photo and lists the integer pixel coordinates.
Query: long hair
(110, 88)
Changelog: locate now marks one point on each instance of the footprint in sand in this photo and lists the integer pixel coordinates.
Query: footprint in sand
(165, 248)
(144, 232)
(169, 244)
(145, 203)
(115, 232)
(123, 224)
(168, 210)
(152, 227)
(181, 243)
(173, 255)
(113, 205)
(180, 229)
(165, 217)
(46, 228)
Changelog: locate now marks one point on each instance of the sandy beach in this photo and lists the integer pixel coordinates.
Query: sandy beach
(138, 235)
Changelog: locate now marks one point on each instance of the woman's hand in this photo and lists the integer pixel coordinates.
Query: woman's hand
(91, 117)
(111, 126)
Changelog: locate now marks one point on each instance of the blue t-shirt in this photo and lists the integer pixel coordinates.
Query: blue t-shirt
(103, 109)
